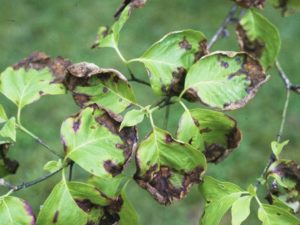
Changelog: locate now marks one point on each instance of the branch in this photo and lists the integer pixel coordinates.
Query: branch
(133, 78)
(288, 84)
(223, 28)
(15, 188)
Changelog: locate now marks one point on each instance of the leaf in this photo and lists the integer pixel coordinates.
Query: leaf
(111, 187)
(15, 211)
(7, 166)
(219, 197)
(224, 80)
(241, 209)
(128, 215)
(52, 166)
(273, 215)
(218, 133)
(251, 3)
(132, 118)
(109, 37)
(81, 204)
(61, 209)
(168, 60)
(3, 116)
(259, 37)
(166, 167)
(107, 88)
(286, 173)
(9, 129)
(92, 140)
(278, 147)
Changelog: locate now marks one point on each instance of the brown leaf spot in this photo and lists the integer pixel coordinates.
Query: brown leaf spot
(112, 168)
(185, 44)
(76, 125)
(86, 205)
(161, 187)
(177, 84)
(202, 50)
(39, 61)
(55, 217)
(251, 3)
(11, 166)
(133, 4)
(205, 130)
(254, 48)
(168, 139)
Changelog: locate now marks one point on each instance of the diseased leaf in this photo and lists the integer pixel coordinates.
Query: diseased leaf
(278, 147)
(7, 166)
(224, 80)
(168, 60)
(92, 139)
(52, 166)
(218, 133)
(107, 88)
(251, 3)
(166, 167)
(109, 37)
(111, 187)
(241, 209)
(132, 118)
(273, 215)
(219, 197)
(9, 130)
(3, 116)
(61, 209)
(131, 3)
(285, 178)
(33, 77)
(15, 211)
(259, 37)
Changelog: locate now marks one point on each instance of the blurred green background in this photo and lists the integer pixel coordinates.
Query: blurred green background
(68, 28)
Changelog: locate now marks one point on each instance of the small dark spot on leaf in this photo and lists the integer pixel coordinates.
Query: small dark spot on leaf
(185, 44)
(205, 130)
(55, 217)
(112, 168)
(105, 90)
(224, 64)
(76, 125)
(168, 139)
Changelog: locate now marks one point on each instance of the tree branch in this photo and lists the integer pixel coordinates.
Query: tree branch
(223, 28)
(25, 185)
(133, 78)
(288, 84)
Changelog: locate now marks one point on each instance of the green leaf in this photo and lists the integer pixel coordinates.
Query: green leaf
(111, 187)
(9, 129)
(168, 60)
(241, 209)
(259, 37)
(7, 166)
(219, 197)
(52, 166)
(278, 147)
(218, 132)
(3, 116)
(109, 37)
(15, 211)
(133, 118)
(31, 79)
(166, 167)
(107, 88)
(128, 215)
(224, 80)
(273, 215)
(61, 209)
(92, 140)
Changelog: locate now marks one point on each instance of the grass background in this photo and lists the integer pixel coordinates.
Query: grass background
(68, 28)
